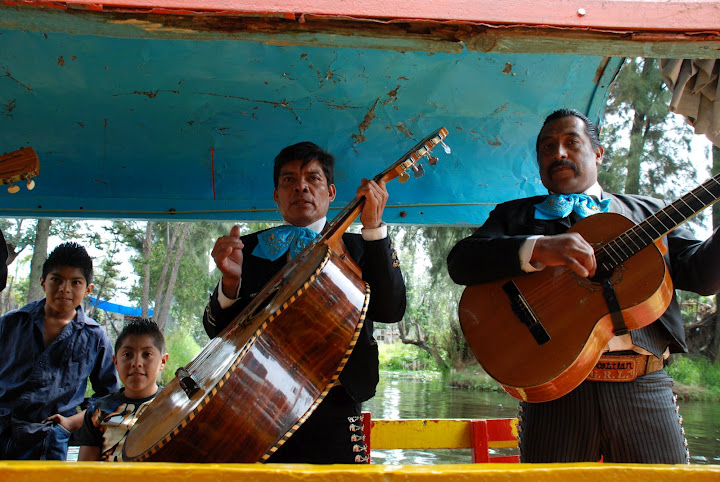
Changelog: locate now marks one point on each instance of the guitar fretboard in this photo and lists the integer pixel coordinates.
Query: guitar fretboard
(632, 241)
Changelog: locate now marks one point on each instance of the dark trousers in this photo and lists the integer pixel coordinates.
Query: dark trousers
(624, 422)
(331, 435)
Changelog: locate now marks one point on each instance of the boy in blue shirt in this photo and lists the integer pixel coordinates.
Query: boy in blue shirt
(50, 348)
(139, 358)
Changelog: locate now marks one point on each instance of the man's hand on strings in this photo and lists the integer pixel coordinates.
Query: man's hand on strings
(569, 249)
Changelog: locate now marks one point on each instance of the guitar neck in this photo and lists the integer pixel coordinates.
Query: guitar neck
(658, 225)
(349, 214)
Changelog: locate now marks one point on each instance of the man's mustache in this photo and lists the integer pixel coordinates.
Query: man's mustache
(561, 164)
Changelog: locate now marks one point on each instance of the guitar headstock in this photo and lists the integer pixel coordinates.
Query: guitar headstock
(412, 158)
(20, 165)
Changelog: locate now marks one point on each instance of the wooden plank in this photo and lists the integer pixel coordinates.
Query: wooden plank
(52, 471)
(439, 434)
(416, 434)
(677, 15)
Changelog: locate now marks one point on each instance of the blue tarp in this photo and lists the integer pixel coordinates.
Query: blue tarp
(116, 308)
(124, 130)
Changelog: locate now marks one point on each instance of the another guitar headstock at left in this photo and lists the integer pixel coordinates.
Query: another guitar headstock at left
(20, 165)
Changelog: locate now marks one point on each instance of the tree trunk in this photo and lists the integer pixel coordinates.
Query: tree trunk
(35, 291)
(163, 310)
(169, 244)
(716, 224)
(637, 139)
(421, 342)
(147, 251)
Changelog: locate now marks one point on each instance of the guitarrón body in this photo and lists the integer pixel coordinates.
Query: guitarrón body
(270, 368)
(573, 311)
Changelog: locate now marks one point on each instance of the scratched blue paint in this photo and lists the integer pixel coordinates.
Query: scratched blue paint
(124, 127)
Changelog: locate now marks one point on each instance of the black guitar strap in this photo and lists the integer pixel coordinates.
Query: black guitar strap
(612, 302)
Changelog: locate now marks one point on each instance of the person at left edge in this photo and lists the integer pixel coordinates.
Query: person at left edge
(49, 349)
(304, 188)
(3, 262)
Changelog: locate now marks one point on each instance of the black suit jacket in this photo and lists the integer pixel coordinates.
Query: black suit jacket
(491, 252)
(381, 271)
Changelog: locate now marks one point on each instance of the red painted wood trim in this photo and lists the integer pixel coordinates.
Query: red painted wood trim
(479, 441)
(637, 15)
(367, 432)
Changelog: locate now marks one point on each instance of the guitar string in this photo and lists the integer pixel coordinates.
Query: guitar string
(539, 298)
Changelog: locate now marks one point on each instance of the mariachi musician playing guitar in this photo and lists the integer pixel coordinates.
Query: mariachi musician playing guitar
(622, 407)
(304, 189)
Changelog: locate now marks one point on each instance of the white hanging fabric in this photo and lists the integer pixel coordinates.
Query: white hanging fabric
(696, 93)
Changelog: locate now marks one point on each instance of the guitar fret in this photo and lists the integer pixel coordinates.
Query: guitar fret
(658, 224)
(648, 238)
(678, 210)
(612, 255)
(659, 234)
(622, 244)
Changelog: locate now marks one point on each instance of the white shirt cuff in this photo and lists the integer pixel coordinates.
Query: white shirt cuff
(223, 300)
(525, 253)
(374, 234)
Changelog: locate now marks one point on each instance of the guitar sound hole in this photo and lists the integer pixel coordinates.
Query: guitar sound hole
(602, 274)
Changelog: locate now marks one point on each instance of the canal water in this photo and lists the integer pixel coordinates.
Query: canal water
(401, 396)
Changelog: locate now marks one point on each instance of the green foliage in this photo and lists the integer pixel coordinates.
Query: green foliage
(399, 356)
(182, 348)
(432, 297)
(646, 150)
(701, 375)
(474, 378)
(693, 306)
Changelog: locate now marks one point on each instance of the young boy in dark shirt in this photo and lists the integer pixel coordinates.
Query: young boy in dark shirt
(139, 358)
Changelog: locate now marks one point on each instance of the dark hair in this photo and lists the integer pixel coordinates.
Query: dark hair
(591, 129)
(140, 328)
(69, 254)
(305, 152)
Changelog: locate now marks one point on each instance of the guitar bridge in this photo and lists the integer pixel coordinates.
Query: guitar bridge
(525, 313)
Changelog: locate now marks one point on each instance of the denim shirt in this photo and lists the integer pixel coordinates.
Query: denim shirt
(38, 381)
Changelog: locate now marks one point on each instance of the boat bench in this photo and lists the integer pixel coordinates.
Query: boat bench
(478, 435)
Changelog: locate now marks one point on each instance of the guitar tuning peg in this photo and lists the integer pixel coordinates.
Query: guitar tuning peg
(432, 160)
(12, 188)
(445, 147)
(419, 170)
(30, 184)
(403, 177)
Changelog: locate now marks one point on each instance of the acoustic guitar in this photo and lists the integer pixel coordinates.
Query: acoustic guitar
(20, 165)
(254, 384)
(540, 334)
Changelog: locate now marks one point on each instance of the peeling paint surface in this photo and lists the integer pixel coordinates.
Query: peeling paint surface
(124, 126)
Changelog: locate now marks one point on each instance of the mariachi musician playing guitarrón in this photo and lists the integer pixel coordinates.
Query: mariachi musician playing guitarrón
(621, 420)
(304, 189)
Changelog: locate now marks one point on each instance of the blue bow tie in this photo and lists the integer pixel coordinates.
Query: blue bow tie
(275, 242)
(557, 206)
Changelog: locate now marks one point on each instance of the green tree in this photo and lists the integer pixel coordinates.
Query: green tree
(656, 160)
(44, 228)
(108, 277)
(430, 321)
(182, 303)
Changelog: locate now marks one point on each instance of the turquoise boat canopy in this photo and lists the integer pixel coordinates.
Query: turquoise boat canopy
(174, 110)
